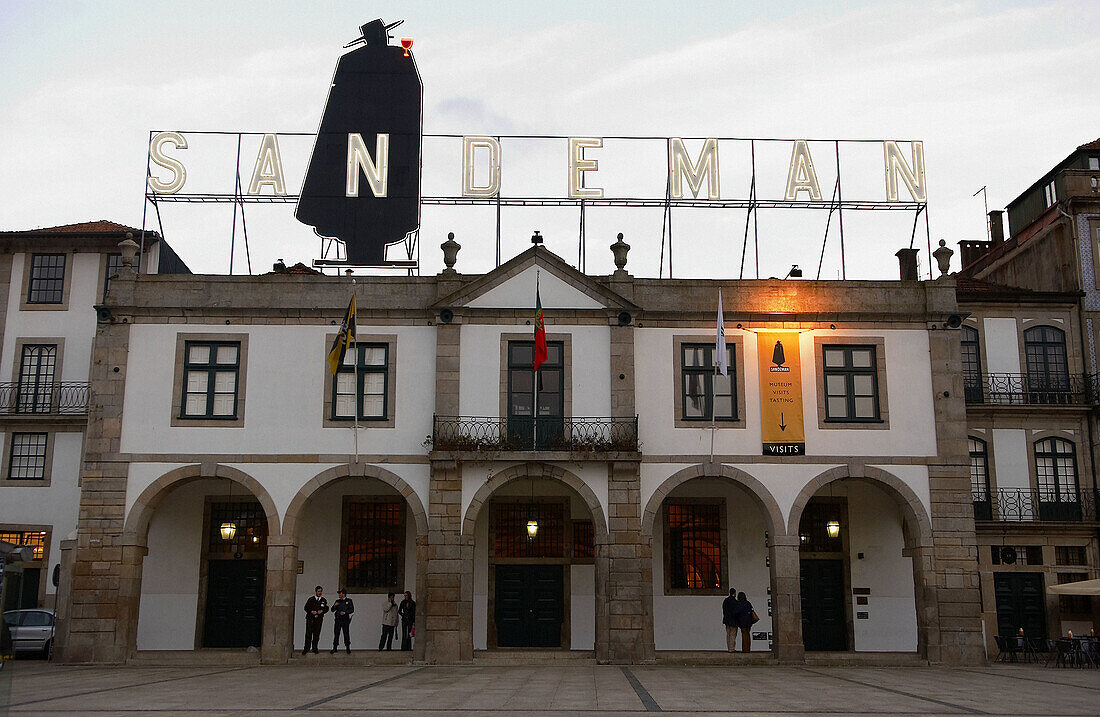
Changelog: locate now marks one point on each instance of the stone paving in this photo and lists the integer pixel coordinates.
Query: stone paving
(34, 688)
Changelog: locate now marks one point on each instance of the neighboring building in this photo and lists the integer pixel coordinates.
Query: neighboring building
(1030, 365)
(221, 480)
(52, 281)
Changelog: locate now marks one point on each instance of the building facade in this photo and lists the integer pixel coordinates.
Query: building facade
(605, 504)
(52, 281)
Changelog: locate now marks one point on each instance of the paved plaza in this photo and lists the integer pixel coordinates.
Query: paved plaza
(35, 688)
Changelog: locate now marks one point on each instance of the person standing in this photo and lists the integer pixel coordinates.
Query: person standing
(316, 607)
(407, 611)
(341, 614)
(729, 619)
(389, 623)
(745, 616)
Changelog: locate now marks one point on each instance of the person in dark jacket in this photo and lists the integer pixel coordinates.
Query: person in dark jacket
(742, 611)
(316, 607)
(729, 619)
(341, 613)
(407, 611)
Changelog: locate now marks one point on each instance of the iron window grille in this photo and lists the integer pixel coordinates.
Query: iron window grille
(694, 545)
(1016, 554)
(366, 387)
(510, 536)
(47, 279)
(27, 460)
(706, 393)
(35, 539)
(851, 384)
(1070, 555)
(210, 376)
(374, 549)
(979, 479)
(36, 374)
(813, 530)
(250, 528)
(584, 539)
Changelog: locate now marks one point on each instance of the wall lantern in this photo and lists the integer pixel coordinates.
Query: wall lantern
(228, 530)
(833, 529)
(532, 528)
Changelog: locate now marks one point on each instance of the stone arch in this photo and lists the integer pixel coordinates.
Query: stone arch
(919, 524)
(531, 471)
(137, 521)
(348, 471)
(759, 492)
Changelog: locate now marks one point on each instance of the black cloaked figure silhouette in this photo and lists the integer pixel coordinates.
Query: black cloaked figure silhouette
(376, 89)
(777, 354)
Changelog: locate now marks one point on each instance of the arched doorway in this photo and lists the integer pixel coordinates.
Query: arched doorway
(861, 542)
(203, 580)
(538, 532)
(363, 528)
(713, 528)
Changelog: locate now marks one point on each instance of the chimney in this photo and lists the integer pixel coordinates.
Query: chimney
(996, 227)
(907, 260)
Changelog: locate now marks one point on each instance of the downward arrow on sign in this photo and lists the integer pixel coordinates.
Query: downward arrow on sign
(782, 425)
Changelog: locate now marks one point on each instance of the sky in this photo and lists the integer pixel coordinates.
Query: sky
(996, 91)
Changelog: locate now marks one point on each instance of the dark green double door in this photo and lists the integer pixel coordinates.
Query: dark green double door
(824, 627)
(1020, 603)
(234, 603)
(529, 605)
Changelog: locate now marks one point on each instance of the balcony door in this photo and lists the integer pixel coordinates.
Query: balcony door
(1056, 474)
(527, 429)
(36, 374)
(1047, 368)
(971, 365)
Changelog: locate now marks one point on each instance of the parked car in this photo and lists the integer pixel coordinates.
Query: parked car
(31, 630)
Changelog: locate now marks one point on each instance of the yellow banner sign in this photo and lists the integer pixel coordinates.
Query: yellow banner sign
(784, 433)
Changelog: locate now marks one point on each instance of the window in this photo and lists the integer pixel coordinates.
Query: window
(47, 279)
(114, 263)
(1070, 555)
(247, 522)
(694, 536)
(1074, 604)
(34, 538)
(851, 383)
(1050, 194)
(1016, 554)
(210, 379)
(373, 545)
(1047, 368)
(364, 383)
(546, 430)
(36, 374)
(979, 478)
(1094, 163)
(1056, 476)
(813, 526)
(27, 460)
(510, 538)
(706, 393)
(971, 365)
(584, 539)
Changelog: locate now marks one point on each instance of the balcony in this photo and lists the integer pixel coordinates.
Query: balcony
(57, 399)
(576, 435)
(1014, 389)
(1018, 505)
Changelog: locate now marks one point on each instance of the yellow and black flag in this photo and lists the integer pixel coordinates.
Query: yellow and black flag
(344, 339)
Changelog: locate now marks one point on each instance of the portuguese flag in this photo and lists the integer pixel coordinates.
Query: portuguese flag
(540, 330)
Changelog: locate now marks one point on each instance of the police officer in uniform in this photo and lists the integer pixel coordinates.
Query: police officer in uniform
(316, 607)
(341, 612)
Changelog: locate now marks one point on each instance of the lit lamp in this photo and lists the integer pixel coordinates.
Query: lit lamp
(228, 530)
(833, 528)
(532, 528)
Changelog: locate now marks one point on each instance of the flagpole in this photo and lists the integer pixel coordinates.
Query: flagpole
(535, 377)
(355, 358)
(713, 413)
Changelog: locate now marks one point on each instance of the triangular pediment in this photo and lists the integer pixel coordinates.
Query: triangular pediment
(512, 286)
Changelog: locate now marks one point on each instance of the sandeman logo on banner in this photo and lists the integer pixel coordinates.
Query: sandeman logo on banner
(784, 433)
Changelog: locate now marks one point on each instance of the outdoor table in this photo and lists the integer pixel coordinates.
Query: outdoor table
(1076, 652)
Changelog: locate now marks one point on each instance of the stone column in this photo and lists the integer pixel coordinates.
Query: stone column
(129, 598)
(448, 593)
(421, 636)
(627, 566)
(64, 589)
(280, 588)
(786, 600)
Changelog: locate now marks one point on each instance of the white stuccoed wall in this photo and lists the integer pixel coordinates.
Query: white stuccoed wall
(1010, 451)
(1002, 346)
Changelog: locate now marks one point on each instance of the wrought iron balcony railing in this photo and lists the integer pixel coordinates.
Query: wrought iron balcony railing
(1026, 505)
(56, 399)
(546, 433)
(1014, 389)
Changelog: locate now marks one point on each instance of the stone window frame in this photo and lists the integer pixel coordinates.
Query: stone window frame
(737, 343)
(177, 420)
(566, 363)
(723, 546)
(17, 360)
(390, 421)
(66, 283)
(47, 468)
(882, 423)
(342, 570)
(43, 563)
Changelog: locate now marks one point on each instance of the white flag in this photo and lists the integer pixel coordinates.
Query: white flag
(720, 341)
